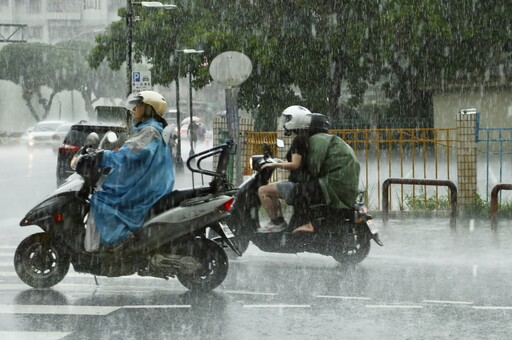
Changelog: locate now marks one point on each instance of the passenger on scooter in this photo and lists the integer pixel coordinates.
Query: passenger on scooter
(296, 120)
(141, 172)
(333, 167)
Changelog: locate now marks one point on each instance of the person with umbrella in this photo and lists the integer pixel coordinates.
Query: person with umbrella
(193, 129)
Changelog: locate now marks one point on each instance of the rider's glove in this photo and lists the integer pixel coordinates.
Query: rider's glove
(88, 162)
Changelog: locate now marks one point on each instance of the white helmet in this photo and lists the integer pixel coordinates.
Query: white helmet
(152, 98)
(295, 118)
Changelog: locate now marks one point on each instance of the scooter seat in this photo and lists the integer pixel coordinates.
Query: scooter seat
(175, 198)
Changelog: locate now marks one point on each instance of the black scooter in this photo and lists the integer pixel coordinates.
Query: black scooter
(344, 234)
(171, 243)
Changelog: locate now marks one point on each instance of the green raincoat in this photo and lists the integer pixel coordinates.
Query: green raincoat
(334, 163)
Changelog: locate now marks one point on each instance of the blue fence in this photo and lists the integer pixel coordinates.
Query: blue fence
(498, 149)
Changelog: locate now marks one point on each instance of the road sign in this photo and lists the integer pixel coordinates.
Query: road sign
(141, 81)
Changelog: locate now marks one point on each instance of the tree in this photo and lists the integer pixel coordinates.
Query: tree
(41, 66)
(60, 67)
(428, 45)
(302, 52)
(309, 52)
(93, 84)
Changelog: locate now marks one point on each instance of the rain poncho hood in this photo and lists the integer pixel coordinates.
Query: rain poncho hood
(334, 163)
(141, 173)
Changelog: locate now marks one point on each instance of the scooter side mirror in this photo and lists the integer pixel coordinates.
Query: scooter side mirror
(280, 143)
(92, 139)
(110, 137)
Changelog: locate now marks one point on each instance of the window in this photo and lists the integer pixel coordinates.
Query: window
(92, 4)
(34, 6)
(62, 29)
(64, 6)
(35, 32)
(4, 2)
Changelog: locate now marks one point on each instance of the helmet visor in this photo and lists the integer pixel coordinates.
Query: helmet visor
(285, 119)
(132, 101)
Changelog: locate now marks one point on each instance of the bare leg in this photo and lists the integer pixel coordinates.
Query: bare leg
(269, 198)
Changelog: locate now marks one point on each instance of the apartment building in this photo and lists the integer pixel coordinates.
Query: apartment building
(50, 21)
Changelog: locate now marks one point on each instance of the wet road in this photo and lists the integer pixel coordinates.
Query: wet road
(427, 282)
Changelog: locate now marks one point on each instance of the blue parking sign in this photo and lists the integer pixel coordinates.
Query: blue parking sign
(136, 77)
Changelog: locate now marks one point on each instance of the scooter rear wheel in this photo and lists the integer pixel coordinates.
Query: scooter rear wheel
(40, 263)
(214, 263)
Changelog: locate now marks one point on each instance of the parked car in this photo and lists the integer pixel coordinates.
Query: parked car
(59, 135)
(75, 139)
(41, 134)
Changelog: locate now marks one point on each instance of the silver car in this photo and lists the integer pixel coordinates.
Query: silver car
(42, 133)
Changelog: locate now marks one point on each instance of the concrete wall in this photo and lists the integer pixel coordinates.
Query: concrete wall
(494, 105)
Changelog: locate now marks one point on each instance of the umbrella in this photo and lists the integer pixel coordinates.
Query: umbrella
(187, 120)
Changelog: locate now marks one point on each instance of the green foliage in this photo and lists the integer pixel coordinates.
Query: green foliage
(420, 202)
(480, 207)
(41, 66)
(307, 53)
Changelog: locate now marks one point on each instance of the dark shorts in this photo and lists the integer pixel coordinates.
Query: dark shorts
(286, 190)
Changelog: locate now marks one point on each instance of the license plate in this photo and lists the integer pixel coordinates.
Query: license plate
(373, 228)
(226, 230)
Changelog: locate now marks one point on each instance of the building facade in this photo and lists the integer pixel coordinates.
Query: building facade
(50, 21)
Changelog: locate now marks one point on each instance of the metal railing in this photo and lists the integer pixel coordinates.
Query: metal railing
(494, 203)
(403, 153)
(416, 181)
(498, 153)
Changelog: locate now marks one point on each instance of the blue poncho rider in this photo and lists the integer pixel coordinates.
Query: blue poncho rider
(141, 172)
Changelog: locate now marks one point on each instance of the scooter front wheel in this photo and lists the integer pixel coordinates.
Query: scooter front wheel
(40, 263)
(354, 254)
(214, 262)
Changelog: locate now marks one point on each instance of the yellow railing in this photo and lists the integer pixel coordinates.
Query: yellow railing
(385, 153)
(406, 153)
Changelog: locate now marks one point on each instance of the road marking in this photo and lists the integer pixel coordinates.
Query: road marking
(449, 302)
(33, 335)
(343, 297)
(57, 309)
(276, 306)
(247, 293)
(493, 307)
(395, 306)
(156, 306)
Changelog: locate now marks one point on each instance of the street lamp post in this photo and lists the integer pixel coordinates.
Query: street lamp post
(129, 34)
(179, 161)
(178, 151)
(129, 38)
(191, 153)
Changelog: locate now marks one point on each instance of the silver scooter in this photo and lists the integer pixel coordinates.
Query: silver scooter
(171, 243)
